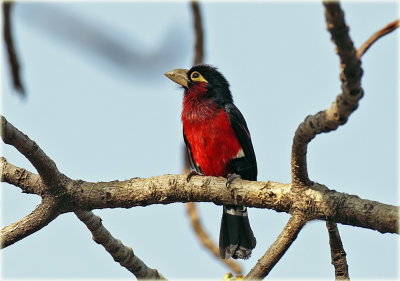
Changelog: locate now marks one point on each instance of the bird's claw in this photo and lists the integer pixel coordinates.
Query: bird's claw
(191, 174)
(230, 178)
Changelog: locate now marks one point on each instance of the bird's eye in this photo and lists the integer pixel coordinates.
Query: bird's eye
(197, 77)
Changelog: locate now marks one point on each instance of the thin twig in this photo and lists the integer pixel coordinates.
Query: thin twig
(122, 254)
(44, 213)
(338, 255)
(278, 248)
(12, 54)
(376, 36)
(206, 241)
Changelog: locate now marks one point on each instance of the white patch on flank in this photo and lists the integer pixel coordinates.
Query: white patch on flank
(240, 154)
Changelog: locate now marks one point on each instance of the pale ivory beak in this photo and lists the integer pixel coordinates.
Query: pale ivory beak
(179, 76)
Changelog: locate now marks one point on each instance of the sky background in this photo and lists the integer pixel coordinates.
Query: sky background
(99, 105)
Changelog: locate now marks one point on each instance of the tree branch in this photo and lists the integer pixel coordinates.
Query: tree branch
(49, 207)
(46, 167)
(278, 248)
(346, 102)
(44, 213)
(318, 202)
(12, 54)
(338, 255)
(122, 254)
(27, 181)
(376, 36)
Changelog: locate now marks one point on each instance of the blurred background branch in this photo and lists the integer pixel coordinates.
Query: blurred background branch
(13, 60)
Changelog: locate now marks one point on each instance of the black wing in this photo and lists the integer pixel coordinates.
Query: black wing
(245, 166)
(193, 164)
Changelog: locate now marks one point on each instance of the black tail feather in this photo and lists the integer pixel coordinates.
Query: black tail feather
(236, 238)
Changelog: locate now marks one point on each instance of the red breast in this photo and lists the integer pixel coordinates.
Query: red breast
(208, 130)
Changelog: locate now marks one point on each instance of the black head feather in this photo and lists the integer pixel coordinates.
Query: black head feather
(218, 86)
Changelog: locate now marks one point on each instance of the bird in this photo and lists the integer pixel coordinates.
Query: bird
(218, 143)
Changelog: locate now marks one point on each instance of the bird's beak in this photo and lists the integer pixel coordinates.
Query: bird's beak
(179, 76)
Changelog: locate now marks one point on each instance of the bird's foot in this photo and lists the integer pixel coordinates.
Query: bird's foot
(230, 178)
(191, 174)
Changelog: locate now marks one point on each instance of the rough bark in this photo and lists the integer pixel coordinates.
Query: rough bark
(338, 255)
(44, 213)
(122, 254)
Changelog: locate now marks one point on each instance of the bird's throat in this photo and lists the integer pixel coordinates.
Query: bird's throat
(198, 106)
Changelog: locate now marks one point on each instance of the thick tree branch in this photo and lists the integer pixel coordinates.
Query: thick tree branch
(338, 255)
(346, 102)
(122, 254)
(278, 248)
(46, 167)
(318, 202)
(12, 54)
(376, 36)
(44, 213)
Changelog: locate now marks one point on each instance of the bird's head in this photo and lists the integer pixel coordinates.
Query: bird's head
(203, 80)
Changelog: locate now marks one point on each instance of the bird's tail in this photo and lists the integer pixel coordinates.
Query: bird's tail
(236, 238)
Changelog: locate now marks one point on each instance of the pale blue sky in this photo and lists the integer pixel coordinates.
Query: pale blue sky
(100, 120)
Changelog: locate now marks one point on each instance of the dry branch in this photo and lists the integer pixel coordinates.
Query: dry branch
(346, 102)
(122, 254)
(50, 180)
(318, 202)
(44, 213)
(29, 183)
(46, 167)
(338, 255)
(278, 248)
(55, 201)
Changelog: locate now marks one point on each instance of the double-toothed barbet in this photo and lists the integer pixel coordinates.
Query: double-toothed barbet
(218, 144)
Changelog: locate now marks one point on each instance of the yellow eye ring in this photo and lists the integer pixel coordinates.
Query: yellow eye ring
(197, 77)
